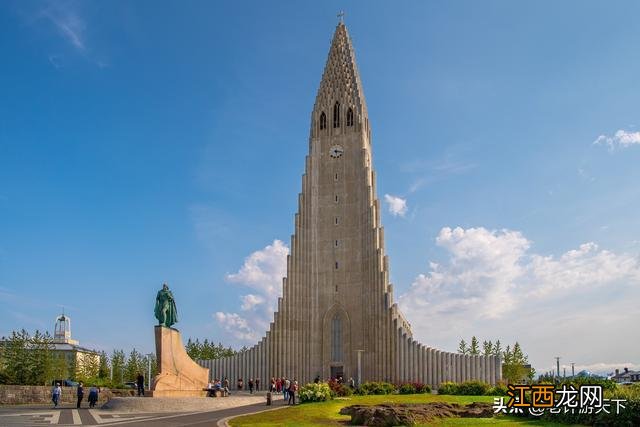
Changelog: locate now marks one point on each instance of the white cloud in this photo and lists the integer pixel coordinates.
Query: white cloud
(262, 271)
(236, 325)
(249, 301)
(68, 23)
(397, 205)
(621, 139)
(491, 285)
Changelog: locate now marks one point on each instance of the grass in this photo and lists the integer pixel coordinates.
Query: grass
(327, 413)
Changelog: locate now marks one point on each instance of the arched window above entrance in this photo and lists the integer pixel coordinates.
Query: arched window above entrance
(336, 338)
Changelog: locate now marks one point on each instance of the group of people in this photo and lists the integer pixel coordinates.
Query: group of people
(56, 393)
(217, 385)
(351, 383)
(285, 386)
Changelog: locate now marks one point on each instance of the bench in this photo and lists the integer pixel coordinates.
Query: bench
(212, 392)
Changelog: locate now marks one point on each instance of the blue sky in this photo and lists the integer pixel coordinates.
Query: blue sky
(143, 142)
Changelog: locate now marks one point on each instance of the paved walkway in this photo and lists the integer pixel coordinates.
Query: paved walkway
(39, 415)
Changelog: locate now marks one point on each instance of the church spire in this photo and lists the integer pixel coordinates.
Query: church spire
(340, 79)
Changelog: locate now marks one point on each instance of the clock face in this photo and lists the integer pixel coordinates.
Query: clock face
(336, 151)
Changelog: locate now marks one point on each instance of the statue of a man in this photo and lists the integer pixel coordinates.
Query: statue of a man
(165, 310)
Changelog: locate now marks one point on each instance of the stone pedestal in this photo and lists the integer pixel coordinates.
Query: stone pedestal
(179, 375)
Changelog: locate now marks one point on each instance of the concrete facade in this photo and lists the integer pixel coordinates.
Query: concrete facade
(337, 300)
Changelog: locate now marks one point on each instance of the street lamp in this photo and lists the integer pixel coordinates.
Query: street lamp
(149, 356)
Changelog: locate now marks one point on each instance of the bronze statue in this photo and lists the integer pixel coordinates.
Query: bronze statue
(165, 310)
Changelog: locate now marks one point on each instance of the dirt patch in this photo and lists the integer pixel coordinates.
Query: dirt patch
(413, 413)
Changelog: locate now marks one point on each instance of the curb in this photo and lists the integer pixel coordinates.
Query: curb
(225, 421)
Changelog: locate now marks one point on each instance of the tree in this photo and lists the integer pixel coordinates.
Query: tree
(118, 360)
(497, 349)
(474, 348)
(16, 360)
(513, 365)
(207, 350)
(59, 367)
(462, 347)
(487, 348)
(135, 365)
(103, 369)
(40, 358)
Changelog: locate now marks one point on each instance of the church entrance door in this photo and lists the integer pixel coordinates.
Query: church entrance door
(337, 372)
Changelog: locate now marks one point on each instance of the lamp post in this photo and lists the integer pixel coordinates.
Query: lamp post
(149, 356)
(360, 366)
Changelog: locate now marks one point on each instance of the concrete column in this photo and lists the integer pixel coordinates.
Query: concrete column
(437, 367)
(429, 354)
(420, 363)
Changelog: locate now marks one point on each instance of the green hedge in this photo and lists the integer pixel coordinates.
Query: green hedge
(413, 388)
(376, 388)
(472, 388)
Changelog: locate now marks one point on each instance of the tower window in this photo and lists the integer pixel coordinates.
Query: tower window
(350, 117)
(336, 198)
(336, 115)
(336, 339)
(336, 265)
(336, 220)
(323, 121)
(336, 177)
(336, 243)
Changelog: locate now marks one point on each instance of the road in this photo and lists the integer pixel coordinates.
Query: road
(39, 416)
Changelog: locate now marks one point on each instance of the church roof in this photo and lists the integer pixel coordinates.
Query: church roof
(341, 79)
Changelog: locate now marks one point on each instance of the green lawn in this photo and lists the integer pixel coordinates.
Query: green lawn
(327, 413)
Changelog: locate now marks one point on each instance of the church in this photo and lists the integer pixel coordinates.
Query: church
(337, 316)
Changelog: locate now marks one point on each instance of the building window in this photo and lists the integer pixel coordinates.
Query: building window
(336, 339)
(336, 220)
(336, 177)
(336, 243)
(350, 117)
(336, 115)
(336, 265)
(323, 121)
(336, 198)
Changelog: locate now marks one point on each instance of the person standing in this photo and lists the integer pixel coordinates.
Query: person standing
(140, 384)
(55, 394)
(285, 388)
(250, 385)
(257, 384)
(80, 394)
(293, 387)
(93, 396)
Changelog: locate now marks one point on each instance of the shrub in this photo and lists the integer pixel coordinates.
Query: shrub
(412, 388)
(473, 388)
(467, 388)
(498, 390)
(448, 388)
(376, 388)
(338, 389)
(315, 393)
(406, 388)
